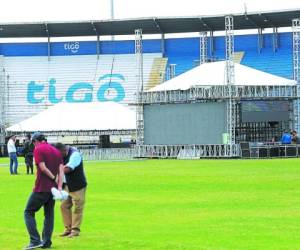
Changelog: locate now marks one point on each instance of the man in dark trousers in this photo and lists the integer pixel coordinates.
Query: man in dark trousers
(76, 186)
(49, 168)
(28, 154)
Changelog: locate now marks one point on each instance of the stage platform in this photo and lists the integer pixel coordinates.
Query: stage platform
(269, 150)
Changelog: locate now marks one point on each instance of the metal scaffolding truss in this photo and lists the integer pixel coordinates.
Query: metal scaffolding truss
(80, 133)
(234, 93)
(230, 79)
(3, 94)
(171, 71)
(140, 84)
(231, 118)
(229, 46)
(296, 48)
(296, 64)
(260, 40)
(203, 47)
(221, 92)
(211, 43)
(3, 104)
(275, 39)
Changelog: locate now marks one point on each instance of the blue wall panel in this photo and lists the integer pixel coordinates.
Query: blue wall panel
(117, 47)
(184, 52)
(23, 49)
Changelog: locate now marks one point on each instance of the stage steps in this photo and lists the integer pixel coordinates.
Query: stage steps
(157, 73)
(238, 56)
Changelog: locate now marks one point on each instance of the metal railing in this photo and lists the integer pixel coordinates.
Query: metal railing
(188, 151)
(97, 154)
(162, 151)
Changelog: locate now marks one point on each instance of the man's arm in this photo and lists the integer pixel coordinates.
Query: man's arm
(60, 176)
(66, 169)
(46, 171)
(74, 162)
(9, 145)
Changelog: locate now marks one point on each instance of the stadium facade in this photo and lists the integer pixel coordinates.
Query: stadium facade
(35, 76)
(33, 82)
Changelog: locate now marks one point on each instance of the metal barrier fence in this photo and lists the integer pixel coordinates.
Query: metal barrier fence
(108, 154)
(188, 151)
(191, 152)
(159, 151)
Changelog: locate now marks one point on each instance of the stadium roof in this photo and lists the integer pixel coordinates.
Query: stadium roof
(151, 25)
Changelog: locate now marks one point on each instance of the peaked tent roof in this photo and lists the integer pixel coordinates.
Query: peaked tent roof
(214, 74)
(95, 116)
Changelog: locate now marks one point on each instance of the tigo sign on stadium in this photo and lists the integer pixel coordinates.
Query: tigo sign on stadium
(109, 83)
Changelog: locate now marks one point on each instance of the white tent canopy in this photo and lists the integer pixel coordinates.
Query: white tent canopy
(95, 116)
(214, 74)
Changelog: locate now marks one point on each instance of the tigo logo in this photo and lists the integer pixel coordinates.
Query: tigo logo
(108, 88)
(73, 47)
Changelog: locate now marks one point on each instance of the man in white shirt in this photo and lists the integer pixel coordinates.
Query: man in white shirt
(12, 153)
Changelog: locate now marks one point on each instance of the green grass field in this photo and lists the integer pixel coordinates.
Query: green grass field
(171, 204)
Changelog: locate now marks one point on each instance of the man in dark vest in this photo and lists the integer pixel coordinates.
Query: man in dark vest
(75, 184)
(28, 153)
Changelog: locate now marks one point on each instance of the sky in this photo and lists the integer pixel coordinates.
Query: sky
(69, 10)
(16, 11)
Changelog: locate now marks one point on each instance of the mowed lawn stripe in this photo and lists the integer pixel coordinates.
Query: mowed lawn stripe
(171, 204)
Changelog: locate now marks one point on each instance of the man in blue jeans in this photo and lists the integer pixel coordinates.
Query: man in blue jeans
(49, 164)
(12, 153)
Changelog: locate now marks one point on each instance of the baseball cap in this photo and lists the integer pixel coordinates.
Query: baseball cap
(38, 136)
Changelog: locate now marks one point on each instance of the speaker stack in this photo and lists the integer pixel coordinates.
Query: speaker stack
(104, 141)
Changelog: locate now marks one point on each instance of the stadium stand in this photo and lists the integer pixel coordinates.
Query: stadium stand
(278, 62)
(116, 72)
(185, 52)
(76, 63)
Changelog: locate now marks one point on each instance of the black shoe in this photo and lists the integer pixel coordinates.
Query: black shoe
(44, 246)
(65, 233)
(33, 246)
